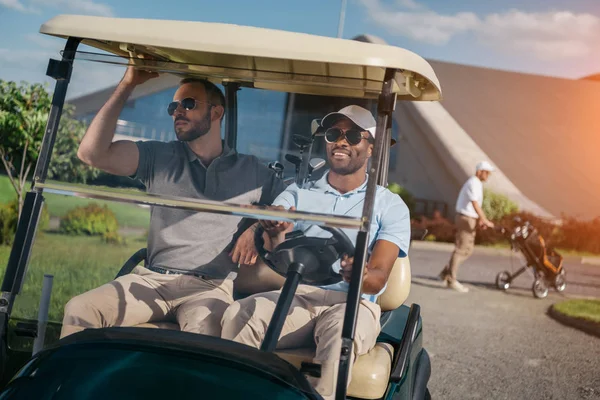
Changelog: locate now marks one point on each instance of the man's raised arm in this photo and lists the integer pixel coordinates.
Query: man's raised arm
(97, 147)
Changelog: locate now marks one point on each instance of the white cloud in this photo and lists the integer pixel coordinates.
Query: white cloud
(79, 6)
(17, 5)
(419, 23)
(44, 40)
(410, 4)
(30, 65)
(13, 4)
(23, 58)
(545, 35)
(549, 35)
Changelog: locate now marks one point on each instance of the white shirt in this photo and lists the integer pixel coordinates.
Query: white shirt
(472, 190)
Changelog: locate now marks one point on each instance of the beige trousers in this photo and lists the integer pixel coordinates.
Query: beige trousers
(145, 296)
(316, 317)
(464, 243)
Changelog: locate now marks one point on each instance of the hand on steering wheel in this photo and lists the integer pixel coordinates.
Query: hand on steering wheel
(275, 228)
(346, 263)
(313, 257)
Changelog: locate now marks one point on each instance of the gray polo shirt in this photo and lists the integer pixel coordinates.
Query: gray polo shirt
(199, 240)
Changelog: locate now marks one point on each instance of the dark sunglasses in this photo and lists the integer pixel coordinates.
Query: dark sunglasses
(353, 136)
(188, 104)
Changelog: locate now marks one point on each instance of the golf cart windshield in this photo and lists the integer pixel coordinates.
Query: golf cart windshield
(277, 86)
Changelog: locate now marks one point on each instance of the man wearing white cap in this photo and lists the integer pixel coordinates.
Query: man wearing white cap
(316, 313)
(468, 215)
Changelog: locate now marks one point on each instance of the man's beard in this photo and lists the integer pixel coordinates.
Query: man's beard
(197, 129)
(355, 164)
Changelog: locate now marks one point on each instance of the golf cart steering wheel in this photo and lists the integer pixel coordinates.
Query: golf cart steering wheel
(313, 255)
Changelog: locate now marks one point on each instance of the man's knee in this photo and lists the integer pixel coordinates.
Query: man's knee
(241, 324)
(82, 310)
(233, 321)
(204, 317)
(463, 251)
(80, 313)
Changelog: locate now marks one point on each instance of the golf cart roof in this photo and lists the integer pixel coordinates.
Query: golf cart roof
(262, 58)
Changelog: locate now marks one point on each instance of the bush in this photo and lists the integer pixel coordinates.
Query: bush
(113, 238)
(496, 206)
(579, 235)
(570, 234)
(9, 217)
(89, 220)
(405, 195)
(439, 229)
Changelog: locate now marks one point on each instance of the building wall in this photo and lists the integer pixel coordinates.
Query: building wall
(418, 167)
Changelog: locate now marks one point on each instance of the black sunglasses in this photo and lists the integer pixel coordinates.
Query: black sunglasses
(188, 103)
(353, 136)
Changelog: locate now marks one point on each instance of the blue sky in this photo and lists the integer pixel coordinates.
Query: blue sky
(549, 37)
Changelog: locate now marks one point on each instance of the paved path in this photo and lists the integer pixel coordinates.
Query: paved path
(488, 344)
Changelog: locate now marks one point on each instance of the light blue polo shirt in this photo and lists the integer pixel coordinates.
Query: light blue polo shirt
(390, 221)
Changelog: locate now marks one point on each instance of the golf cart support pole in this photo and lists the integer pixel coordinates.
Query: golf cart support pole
(231, 89)
(32, 206)
(385, 107)
(294, 276)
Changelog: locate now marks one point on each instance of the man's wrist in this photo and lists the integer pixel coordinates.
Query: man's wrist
(127, 85)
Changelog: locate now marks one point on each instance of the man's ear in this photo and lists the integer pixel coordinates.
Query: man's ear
(370, 151)
(217, 113)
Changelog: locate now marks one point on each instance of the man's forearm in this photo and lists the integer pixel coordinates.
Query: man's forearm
(373, 281)
(479, 211)
(99, 136)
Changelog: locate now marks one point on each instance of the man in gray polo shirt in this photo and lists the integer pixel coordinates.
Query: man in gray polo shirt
(191, 256)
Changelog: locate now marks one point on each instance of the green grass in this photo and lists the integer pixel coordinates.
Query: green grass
(587, 309)
(128, 215)
(7, 192)
(77, 263)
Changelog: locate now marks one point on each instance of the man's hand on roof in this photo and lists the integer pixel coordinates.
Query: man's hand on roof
(134, 76)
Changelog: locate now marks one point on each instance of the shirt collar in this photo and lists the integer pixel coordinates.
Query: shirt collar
(191, 156)
(323, 184)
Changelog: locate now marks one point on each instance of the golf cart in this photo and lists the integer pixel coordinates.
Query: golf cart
(140, 362)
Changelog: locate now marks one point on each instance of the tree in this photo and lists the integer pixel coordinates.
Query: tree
(24, 113)
(65, 165)
(496, 205)
(23, 116)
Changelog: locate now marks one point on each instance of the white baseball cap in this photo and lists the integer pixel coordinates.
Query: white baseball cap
(360, 116)
(485, 166)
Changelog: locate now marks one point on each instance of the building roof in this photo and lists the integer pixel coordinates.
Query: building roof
(266, 58)
(542, 132)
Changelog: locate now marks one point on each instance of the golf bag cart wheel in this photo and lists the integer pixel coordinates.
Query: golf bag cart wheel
(539, 288)
(503, 280)
(560, 281)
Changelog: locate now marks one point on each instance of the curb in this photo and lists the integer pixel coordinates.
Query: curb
(442, 246)
(590, 260)
(588, 327)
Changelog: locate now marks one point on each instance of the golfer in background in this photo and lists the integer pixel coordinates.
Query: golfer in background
(468, 215)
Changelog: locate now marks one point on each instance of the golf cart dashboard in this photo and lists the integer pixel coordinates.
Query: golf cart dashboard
(144, 363)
